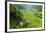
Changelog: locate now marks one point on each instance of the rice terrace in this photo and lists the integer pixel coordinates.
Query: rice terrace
(25, 16)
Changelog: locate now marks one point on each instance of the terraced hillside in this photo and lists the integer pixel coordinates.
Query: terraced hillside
(25, 16)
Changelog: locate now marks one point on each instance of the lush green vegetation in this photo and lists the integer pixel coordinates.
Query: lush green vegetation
(29, 15)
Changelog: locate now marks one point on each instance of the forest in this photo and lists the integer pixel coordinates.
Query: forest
(25, 16)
